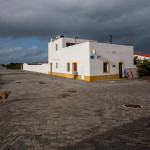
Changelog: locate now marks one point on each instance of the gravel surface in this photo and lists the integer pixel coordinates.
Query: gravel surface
(46, 112)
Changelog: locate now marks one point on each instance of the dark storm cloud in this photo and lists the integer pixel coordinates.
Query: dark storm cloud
(127, 20)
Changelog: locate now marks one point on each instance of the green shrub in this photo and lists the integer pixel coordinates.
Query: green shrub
(13, 65)
(143, 67)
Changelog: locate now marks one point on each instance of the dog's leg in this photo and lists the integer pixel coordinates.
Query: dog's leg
(4, 99)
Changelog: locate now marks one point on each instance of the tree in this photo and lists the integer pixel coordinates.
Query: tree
(135, 60)
(143, 67)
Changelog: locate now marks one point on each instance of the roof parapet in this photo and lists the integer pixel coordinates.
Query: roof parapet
(57, 37)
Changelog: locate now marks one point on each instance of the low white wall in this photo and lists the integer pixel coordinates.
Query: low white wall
(43, 68)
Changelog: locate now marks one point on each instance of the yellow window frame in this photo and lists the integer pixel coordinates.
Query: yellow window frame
(68, 68)
(107, 67)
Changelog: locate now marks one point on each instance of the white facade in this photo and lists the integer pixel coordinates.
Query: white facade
(42, 68)
(94, 60)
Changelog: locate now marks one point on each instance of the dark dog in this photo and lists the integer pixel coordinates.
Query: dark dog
(4, 96)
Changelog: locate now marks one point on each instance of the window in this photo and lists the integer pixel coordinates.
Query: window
(105, 67)
(56, 65)
(56, 47)
(75, 66)
(69, 44)
(68, 67)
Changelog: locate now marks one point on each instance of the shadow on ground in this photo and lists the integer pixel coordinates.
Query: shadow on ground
(135, 136)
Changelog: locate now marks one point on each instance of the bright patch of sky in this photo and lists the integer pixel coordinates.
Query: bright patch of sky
(23, 50)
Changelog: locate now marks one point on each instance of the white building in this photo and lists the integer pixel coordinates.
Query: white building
(142, 56)
(88, 60)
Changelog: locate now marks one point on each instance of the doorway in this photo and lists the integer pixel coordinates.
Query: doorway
(51, 68)
(74, 70)
(120, 69)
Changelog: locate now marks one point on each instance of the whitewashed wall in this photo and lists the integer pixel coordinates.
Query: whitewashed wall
(77, 53)
(111, 53)
(81, 53)
(43, 68)
(54, 55)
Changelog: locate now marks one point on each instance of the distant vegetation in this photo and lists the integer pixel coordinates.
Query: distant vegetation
(13, 65)
(143, 66)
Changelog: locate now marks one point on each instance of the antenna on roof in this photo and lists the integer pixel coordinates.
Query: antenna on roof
(110, 38)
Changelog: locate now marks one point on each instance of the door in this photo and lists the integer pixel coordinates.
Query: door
(120, 69)
(51, 68)
(74, 70)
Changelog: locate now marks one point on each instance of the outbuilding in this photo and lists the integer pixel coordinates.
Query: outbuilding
(142, 56)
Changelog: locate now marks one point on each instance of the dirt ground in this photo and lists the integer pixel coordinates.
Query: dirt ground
(45, 112)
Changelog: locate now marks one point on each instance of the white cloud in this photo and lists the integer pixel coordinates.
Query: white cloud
(9, 53)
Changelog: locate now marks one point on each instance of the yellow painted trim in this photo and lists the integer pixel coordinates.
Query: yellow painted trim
(67, 66)
(102, 77)
(62, 74)
(65, 75)
(122, 68)
(72, 66)
(73, 69)
(108, 66)
(79, 77)
(88, 78)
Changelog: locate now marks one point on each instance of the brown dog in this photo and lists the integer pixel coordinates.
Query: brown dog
(4, 96)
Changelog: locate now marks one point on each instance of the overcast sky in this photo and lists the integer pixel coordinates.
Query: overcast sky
(26, 26)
